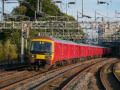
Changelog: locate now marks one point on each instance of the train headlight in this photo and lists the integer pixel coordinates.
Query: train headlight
(33, 56)
(48, 57)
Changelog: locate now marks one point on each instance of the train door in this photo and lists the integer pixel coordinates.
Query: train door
(77, 51)
(80, 51)
(69, 49)
(94, 51)
(65, 52)
(60, 50)
(57, 51)
(87, 51)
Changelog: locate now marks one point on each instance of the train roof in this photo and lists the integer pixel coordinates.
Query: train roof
(92, 45)
(67, 42)
(56, 40)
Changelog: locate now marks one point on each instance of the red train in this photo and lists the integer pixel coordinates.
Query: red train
(51, 51)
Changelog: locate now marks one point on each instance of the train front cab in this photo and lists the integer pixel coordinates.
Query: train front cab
(42, 51)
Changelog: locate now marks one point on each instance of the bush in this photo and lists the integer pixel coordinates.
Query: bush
(10, 51)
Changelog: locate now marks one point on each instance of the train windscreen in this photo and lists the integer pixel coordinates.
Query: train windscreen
(41, 47)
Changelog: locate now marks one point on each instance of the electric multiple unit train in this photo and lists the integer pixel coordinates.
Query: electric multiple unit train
(49, 51)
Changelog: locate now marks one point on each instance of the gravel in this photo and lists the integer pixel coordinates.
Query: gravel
(81, 83)
(88, 80)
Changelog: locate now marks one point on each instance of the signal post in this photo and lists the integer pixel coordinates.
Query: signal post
(24, 36)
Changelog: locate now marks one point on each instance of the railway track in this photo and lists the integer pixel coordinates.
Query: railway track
(16, 77)
(116, 70)
(61, 78)
(109, 81)
(35, 81)
(5, 73)
(80, 81)
(59, 81)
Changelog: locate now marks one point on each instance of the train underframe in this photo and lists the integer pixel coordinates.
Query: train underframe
(37, 63)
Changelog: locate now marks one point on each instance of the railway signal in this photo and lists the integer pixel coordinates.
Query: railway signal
(24, 36)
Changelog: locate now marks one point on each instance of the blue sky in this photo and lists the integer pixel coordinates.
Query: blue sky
(9, 7)
(89, 7)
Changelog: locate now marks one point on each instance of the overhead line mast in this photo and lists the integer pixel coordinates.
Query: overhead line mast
(3, 6)
(2, 18)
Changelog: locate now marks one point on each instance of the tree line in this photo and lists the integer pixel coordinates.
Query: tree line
(28, 8)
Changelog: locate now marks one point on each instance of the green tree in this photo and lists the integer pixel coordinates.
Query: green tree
(15, 38)
(21, 10)
(28, 8)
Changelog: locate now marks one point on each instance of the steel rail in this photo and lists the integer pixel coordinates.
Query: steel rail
(80, 67)
(114, 71)
(85, 70)
(34, 77)
(104, 78)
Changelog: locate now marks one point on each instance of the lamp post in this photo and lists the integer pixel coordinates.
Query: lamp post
(59, 2)
(3, 7)
(2, 18)
(39, 6)
(72, 3)
(102, 2)
(67, 4)
(9, 2)
(82, 8)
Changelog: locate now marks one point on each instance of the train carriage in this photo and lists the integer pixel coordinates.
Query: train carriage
(47, 50)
